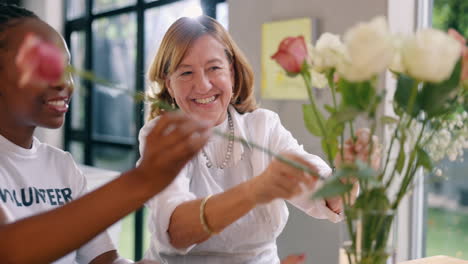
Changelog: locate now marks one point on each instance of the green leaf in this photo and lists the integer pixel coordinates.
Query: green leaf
(373, 199)
(372, 110)
(330, 146)
(345, 114)
(311, 120)
(345, 172)
(424, 159)
(333, 127)
(388, 120)
(436, 97)
(365, 172)
(332, 188)
(330, 109)
(403, 93)
(359, 95)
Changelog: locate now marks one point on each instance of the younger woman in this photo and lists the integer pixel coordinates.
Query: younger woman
(37, 179)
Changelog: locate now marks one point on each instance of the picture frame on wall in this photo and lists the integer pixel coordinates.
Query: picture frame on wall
(275, 84)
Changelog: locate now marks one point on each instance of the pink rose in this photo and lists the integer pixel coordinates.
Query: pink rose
(453, 33)
(291, 54)
(359, 150)
(464, 73)
(39, 61)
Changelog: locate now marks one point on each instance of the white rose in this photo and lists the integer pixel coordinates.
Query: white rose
(430, 55)
(329, 50)
(396, 65)
(319, 80)
(369, 50)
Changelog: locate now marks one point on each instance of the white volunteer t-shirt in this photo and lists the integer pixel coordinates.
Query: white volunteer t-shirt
(40, 179)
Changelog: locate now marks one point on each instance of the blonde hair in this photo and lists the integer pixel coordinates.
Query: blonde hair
(177, 40)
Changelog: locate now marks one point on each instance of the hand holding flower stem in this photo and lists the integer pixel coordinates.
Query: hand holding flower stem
(247, 143)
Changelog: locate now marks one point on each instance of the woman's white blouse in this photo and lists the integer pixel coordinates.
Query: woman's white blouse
(252, 238)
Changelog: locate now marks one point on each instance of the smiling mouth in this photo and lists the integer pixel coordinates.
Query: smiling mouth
(58, 105)
(206, 100)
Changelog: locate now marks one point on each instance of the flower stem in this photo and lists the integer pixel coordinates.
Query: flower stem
(400, 149)
(389, 151)
(410, 171)
(412, 101)
(87, 75)
(307, 80)
(269, 152)
(330, 78)
(331, 83)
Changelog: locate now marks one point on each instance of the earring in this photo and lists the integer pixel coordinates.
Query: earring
(173, 103)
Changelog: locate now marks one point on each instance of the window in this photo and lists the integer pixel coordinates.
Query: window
(116, 39)
(446, 199)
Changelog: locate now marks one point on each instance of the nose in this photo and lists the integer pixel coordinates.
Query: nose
(203, 83)
(66, 83)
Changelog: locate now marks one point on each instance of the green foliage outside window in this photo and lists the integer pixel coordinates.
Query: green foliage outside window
(447, 229)
(451, 14)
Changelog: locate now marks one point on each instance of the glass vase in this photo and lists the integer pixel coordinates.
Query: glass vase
(369, 238)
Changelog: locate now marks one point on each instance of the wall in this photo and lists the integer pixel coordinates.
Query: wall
(51, 12)
(317, 238)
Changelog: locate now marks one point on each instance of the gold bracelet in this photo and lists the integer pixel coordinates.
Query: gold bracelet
(202, 216)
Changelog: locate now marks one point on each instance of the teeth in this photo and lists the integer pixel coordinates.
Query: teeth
(205, 100)
(59, 103)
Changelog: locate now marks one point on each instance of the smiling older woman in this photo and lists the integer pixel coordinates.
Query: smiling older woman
(228, 203)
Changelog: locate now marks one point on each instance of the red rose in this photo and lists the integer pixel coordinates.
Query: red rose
(39, 61)
(291, 54)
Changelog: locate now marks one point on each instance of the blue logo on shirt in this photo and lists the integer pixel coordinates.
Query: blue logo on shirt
(32, 195)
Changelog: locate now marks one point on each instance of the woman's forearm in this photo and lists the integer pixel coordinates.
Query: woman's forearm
(45, 237)
(5, 215)
(221, 210)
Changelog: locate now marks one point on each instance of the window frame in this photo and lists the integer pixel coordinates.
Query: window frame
(85, 136)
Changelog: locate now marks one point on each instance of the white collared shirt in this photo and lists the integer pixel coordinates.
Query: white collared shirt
(252, 238)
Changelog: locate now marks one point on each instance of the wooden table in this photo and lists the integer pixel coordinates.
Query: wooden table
(436, 260)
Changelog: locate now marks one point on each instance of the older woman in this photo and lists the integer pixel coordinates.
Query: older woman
(228, 203)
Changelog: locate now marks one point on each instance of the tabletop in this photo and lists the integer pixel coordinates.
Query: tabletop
(436, 260)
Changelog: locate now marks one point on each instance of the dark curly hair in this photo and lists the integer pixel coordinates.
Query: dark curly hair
(10, 15)
(9, 12)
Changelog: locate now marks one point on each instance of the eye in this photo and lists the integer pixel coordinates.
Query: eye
(185, 73)
(215, 68)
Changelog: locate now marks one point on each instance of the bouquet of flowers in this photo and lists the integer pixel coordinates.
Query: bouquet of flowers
(430, 100)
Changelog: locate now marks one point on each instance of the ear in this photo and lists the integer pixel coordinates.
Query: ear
(169, 87)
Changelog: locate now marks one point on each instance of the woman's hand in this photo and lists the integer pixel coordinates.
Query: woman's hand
(5, 215)
(280, 180)
(353, 150)
(294, 259)
(359, 149)
(169, 146)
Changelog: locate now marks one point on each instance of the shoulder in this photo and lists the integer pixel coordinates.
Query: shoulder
(257, 125)
(62, 165)
(260, 115)
(50, 152)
